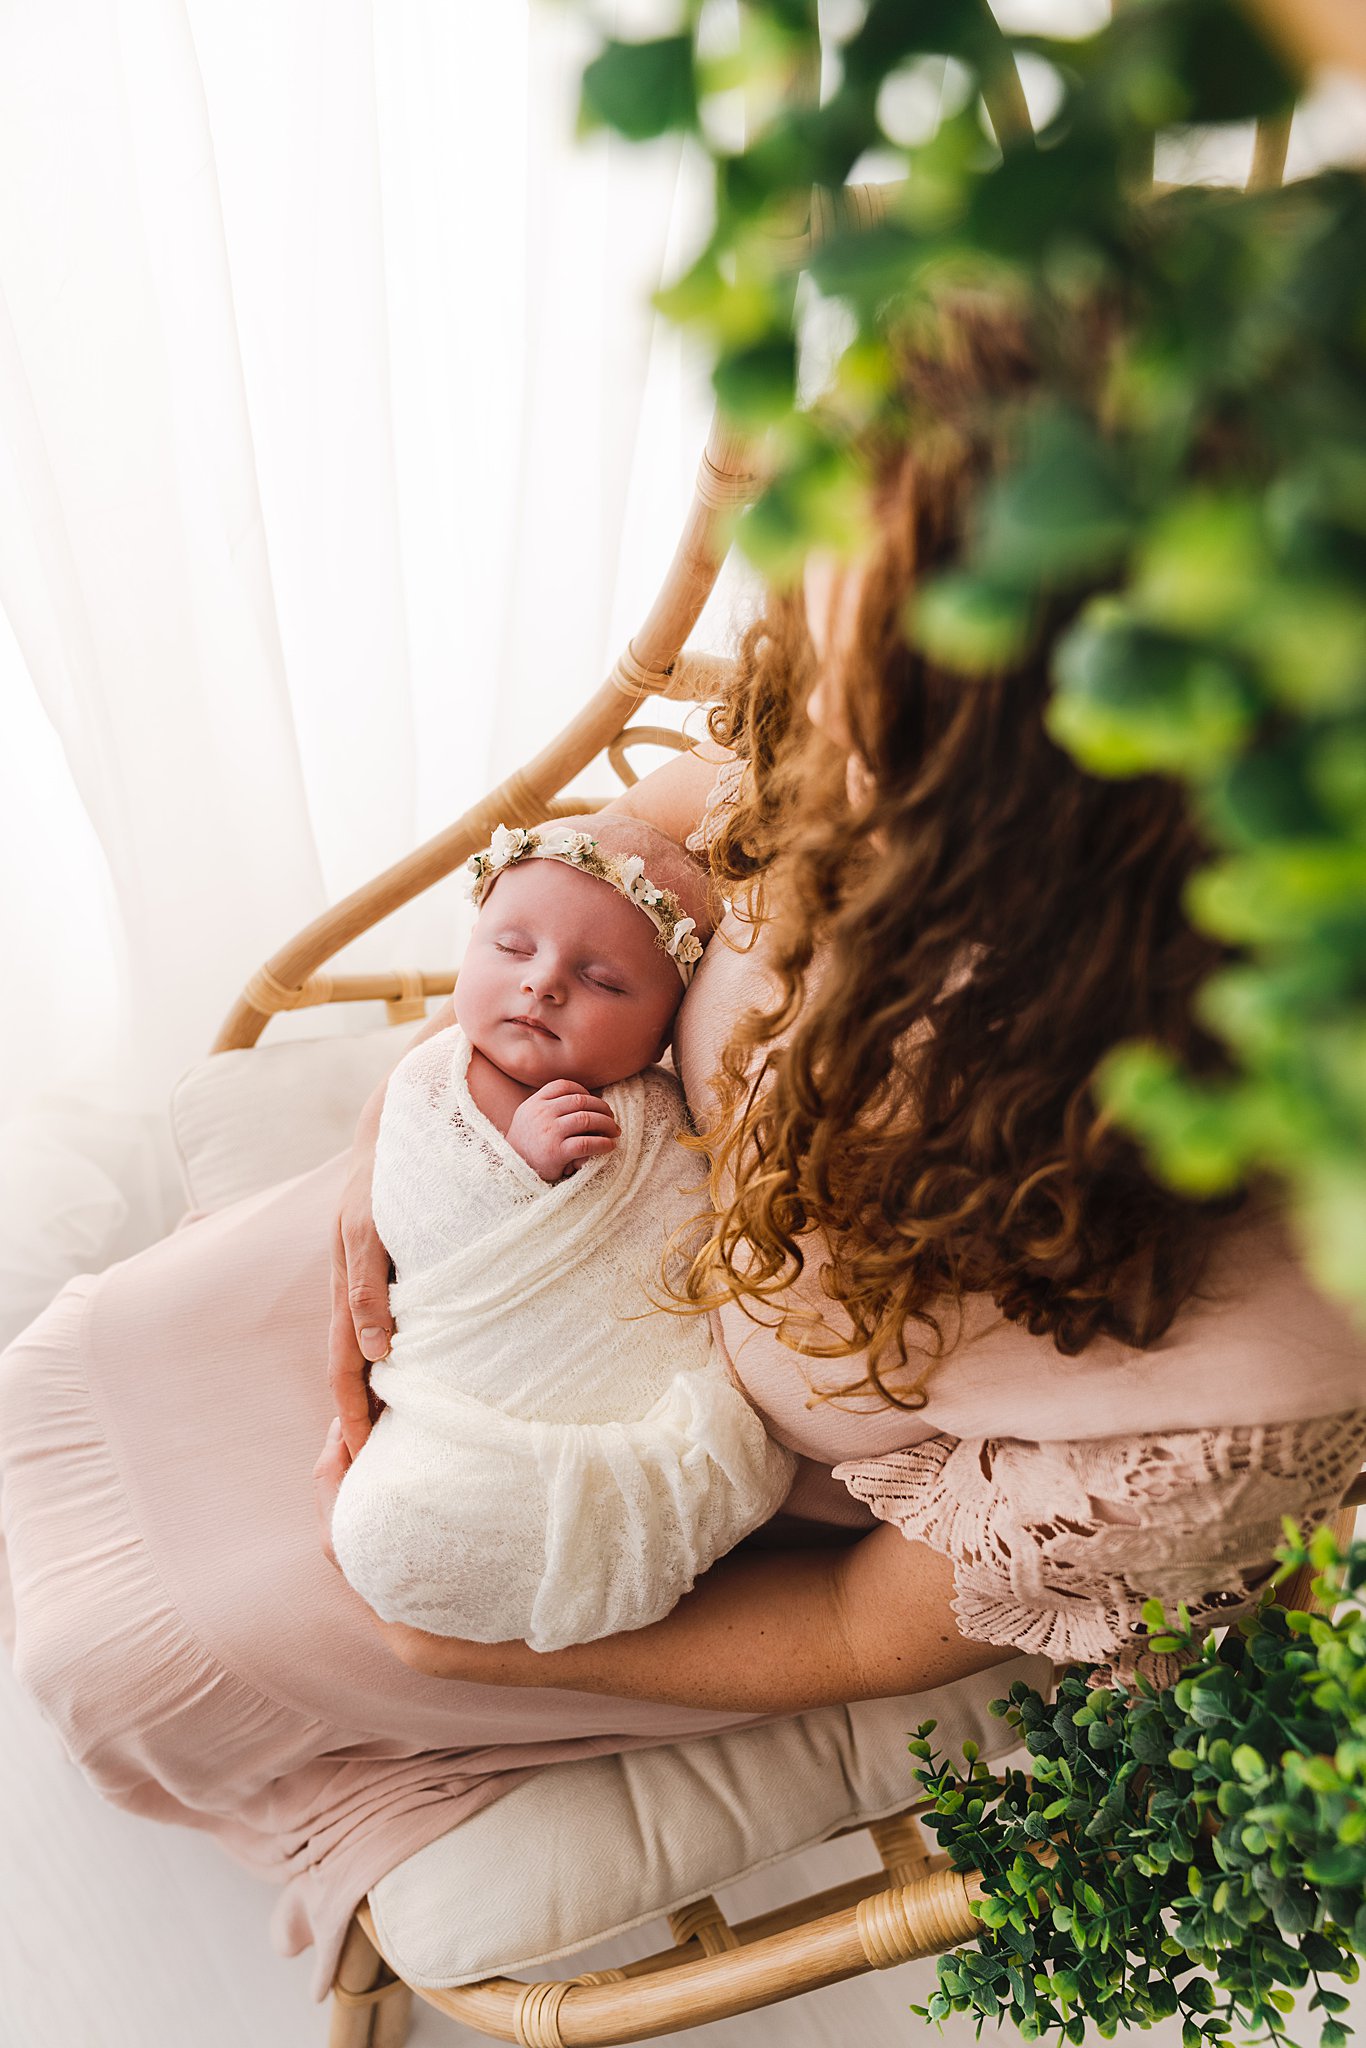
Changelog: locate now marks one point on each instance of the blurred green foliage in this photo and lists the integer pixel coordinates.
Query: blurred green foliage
(1202, 511)
(1197, 1850)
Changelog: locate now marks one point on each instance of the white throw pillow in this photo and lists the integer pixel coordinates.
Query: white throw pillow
(244, 1120)
(589, 1849)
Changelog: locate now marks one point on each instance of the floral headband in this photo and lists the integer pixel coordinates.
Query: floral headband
(626, 874)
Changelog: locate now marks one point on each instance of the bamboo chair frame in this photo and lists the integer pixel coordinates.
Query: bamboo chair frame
(913, 1906)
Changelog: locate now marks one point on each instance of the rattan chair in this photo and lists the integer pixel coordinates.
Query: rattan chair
(909, 1905)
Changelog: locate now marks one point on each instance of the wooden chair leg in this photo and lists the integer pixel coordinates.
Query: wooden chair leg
(371, 2007)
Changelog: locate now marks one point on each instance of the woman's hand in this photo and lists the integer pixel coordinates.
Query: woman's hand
(361, 1325)
(334, 1461)
(451, 1658)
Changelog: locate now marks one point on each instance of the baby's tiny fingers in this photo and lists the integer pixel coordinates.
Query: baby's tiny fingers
(577, 1149)
(583, 1105)
(585, 1123)
(579, 1098)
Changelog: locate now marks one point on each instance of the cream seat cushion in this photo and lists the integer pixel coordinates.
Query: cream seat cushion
(587, 1850)
(592, 1848)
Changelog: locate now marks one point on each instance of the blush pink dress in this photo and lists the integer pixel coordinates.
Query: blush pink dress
(169, 1609)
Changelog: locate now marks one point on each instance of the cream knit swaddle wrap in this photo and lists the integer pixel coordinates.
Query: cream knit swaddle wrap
(556, 1461)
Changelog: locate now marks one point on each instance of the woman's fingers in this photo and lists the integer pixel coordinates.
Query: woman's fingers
(360, 1303)
(333, 1460)
(328, 1474)
(367, 1287)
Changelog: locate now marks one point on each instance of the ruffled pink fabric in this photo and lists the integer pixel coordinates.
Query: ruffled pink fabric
(169, 1607)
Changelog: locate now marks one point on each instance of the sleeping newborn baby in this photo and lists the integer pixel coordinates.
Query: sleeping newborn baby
(557, 1459)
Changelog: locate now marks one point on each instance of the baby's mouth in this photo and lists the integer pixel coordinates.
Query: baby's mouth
(534, 1024)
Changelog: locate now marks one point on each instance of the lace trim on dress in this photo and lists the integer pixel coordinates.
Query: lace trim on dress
(723, 795)
(1056, 1546)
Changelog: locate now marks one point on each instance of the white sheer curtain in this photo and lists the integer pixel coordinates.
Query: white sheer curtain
(337, 455)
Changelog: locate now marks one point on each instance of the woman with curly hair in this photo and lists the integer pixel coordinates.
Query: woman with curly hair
(940, 1271)
(1027, 1386)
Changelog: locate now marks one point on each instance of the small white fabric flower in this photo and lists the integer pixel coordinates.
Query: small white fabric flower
(632, 872)
(678, 935)
(690, 950)
(508, 843)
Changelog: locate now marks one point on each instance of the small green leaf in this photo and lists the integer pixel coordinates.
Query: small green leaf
(756, 384)
(1249, 1764)
(1062, 513)
(969, 624)
(641, 89)
(1131, 701)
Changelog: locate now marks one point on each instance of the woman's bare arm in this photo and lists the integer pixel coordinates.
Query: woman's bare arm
(770, 1632)
(764, 1632)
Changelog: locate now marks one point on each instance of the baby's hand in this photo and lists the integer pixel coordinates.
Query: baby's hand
(560, 1126)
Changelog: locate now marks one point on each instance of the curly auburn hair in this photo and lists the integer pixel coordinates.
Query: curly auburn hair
(955, 946)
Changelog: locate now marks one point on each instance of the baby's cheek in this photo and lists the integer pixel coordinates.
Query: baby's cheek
(473, 994)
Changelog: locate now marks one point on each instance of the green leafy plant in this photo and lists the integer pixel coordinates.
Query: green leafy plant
(1199, 1849)
(1198, 502)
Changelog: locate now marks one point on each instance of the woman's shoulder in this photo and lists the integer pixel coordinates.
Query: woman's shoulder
(677, 798)
(1068, 1498)
(1257, 1343)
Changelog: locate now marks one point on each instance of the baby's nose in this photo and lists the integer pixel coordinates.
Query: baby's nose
(544, 981)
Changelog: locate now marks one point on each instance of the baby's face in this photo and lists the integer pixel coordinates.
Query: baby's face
(564, 979)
